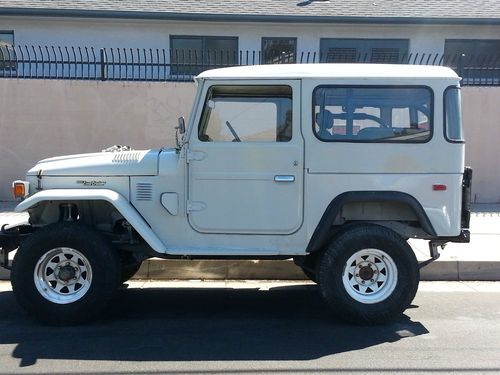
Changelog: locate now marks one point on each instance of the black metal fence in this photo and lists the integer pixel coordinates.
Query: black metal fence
(140, 64)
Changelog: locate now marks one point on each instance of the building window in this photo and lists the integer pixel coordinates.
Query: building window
(247, 114)
(476, 61)
(279, 50)
(382, 51)
(6, 52)
(191, 55)
(372, 114)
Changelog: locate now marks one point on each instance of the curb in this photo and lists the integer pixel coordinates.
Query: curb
(166, 269)
(162, 269)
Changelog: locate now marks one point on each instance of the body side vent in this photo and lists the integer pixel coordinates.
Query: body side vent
(144, 191)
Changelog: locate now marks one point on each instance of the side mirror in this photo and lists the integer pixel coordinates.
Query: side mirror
(181, 125)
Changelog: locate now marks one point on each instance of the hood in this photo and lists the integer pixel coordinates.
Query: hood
(119, 163)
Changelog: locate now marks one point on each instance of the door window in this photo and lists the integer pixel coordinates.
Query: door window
(247, 114)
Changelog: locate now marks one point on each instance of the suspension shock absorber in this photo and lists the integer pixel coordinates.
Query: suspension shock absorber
(68, 212)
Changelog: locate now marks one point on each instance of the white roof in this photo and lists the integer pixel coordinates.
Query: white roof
(280, 71)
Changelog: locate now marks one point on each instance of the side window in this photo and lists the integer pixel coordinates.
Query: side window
(247, 114)
(279, 50)
(191, 55)
(386, 51)
(7, 56)
(453, 115)
(372, 114)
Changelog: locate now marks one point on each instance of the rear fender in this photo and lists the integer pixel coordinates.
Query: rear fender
(323, 231)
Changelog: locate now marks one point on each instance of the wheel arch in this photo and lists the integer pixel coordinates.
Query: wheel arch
(118, 201)
(323, 229)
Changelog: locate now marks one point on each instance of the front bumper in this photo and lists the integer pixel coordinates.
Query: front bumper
(10, 239)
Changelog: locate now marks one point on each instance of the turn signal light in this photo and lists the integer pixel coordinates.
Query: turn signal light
(20, 189)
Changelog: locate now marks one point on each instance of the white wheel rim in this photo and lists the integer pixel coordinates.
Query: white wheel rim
(370, 276)
(63, 275)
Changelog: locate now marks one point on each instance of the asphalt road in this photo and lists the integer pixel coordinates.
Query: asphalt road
(258, 328)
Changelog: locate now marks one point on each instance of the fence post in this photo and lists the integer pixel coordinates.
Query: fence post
(104, 70)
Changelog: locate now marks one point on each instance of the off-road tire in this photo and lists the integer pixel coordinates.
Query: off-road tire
(332, 281)
(311, 275)
(129, 267)
(104, 265)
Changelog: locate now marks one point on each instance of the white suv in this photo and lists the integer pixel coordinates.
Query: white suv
(335, 166)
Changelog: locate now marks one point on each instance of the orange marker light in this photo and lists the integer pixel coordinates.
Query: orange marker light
(19, 189)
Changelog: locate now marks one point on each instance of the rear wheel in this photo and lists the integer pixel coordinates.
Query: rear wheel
(65, 273)
(368, 275)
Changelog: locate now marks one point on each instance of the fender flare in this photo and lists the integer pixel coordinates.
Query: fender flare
(116, 199)
(321, 234)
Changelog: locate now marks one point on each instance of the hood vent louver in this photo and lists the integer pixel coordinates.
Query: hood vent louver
(127, 157)
(144, 191)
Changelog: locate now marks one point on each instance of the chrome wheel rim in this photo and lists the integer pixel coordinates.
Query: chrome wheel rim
(63, 275)
(370, 276)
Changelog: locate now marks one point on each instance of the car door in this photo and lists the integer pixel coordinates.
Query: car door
(245, 159)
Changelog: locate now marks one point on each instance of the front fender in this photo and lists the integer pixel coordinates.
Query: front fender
(117, 200)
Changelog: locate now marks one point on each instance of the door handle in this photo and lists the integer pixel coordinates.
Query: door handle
(284, 178)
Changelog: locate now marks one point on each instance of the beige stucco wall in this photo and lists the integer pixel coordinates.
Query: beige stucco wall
(40, 119)
(481, 117)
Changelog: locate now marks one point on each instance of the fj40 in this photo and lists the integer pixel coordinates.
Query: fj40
(334, 166)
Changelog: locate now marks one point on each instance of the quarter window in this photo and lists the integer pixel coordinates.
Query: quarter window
(453, 115)
(373, 114)
(247, 114)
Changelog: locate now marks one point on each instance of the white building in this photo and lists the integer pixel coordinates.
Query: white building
(334, 30)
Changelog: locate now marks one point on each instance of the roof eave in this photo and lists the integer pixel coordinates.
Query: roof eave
(78, 13)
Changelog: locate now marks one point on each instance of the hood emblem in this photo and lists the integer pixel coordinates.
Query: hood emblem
(91, 183)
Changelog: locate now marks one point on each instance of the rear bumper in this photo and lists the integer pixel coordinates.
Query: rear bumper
(463, 237)
(466, 197)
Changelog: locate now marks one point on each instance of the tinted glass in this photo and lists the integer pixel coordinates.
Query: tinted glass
(6, 51)
(389, 51)
(278, 50)
(192, 55)
(453, 115)
(247, 114)
(373, 114)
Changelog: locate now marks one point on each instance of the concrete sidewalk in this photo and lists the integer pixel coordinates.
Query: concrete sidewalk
(478, 260)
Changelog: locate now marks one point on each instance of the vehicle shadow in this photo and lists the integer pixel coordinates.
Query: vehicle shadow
(189, 324)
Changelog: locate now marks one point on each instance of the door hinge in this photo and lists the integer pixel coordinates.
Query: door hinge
(195, 155)
(195, 206)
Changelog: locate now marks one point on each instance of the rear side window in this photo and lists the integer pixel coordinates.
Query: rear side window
(453, 115)
(373, 114)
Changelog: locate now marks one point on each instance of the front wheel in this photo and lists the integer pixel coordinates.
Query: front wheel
(368, 275)
(65, 273)
(129, 266)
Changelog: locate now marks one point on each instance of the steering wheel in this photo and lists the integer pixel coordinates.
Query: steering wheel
(231, 129)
